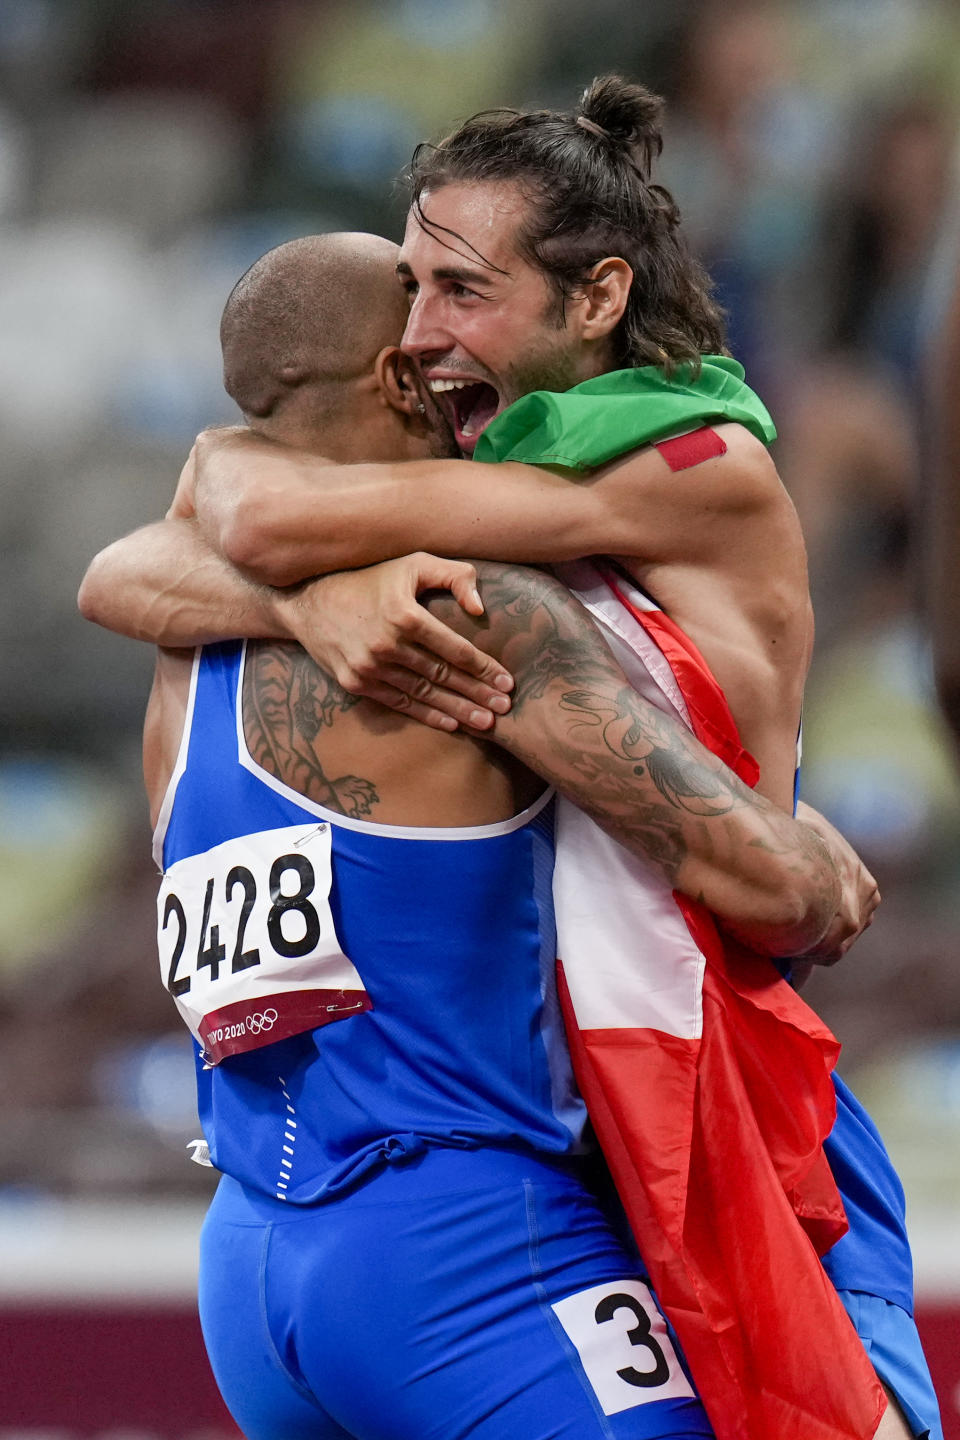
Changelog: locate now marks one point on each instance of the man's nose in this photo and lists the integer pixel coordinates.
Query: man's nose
(424, 334)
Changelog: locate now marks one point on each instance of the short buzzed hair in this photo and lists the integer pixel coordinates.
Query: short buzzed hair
(315, 310)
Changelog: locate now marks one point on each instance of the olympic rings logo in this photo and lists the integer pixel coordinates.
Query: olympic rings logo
(258, 1023)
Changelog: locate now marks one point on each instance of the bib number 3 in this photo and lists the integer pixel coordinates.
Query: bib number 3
(622, 1341)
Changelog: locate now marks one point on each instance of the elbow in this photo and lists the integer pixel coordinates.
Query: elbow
(248, 551)
(246, 538)
(800, 915)
(93, 595)
(240, 531)
(267, 545)
(777, 921)
(784, 912)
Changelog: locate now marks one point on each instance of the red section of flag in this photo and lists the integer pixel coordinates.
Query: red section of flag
(714, 1161)
(686, 450)
(716, 1148)
(710, 717)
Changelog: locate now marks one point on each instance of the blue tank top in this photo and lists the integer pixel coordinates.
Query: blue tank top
(452, 933)
(874, 1255)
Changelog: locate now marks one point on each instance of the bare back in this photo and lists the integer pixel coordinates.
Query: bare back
(349, 755)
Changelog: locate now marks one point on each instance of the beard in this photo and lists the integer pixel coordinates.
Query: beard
(551, 362)
(554, 368)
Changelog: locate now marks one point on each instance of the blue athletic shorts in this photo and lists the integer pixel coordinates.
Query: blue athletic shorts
(461, 1293)
(890, 1338)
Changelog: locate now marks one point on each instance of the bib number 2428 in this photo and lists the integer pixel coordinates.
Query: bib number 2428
(292, 924)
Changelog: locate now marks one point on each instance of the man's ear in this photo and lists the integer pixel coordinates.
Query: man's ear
(396, 380)
(605, 292)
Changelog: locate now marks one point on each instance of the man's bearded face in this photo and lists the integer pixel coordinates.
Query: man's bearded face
(485, 325)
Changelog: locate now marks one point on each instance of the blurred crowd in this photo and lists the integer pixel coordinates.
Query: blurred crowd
(149, 151)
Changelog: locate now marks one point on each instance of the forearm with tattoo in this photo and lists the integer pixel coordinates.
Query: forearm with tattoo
(577, 722)
(641, 775)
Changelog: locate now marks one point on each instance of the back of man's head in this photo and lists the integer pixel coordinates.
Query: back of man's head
(306, 320)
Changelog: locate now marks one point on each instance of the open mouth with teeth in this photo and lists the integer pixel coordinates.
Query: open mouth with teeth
(469, 405)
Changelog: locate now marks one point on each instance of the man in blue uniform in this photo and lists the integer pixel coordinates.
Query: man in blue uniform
(552, 520)
(355, 921)
(539, 253)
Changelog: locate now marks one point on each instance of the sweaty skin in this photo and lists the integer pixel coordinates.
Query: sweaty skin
(258, 611)
(718, 545)
(702, 828)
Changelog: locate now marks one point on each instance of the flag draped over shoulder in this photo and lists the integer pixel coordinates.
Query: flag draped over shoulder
(605, 417)
(707, 1078)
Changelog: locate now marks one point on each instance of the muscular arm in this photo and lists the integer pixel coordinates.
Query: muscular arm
(643, 777)
(281, 515)
(166, 584)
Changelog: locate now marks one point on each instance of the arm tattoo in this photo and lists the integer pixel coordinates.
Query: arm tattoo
(287, 702)
(554, 640)
(680, 779)
(549, 651)
(638, 772)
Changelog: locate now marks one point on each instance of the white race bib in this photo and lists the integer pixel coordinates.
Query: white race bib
(247, 943)
(621, 1338)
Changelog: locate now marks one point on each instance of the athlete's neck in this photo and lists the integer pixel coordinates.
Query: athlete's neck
(379, 435)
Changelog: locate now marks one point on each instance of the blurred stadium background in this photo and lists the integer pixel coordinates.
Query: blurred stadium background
(149, 151)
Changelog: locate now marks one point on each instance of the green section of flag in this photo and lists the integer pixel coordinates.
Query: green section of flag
(585, 427)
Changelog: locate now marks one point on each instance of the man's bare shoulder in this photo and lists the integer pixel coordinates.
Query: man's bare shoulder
(724, 459)
(685, 499)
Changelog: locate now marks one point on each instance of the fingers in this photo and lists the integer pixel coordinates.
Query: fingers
(405, 704)
(854, 916)
(396, 653)
(444, 676)
(466, 701)
(445, 644)
(462, 582)
(426, 689)
(435, 572)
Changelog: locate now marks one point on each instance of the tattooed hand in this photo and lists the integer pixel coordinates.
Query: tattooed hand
(858, 897)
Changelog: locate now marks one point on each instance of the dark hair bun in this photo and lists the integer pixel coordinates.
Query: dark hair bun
(629, 115)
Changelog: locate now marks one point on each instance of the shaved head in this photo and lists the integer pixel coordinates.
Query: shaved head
(316, 312)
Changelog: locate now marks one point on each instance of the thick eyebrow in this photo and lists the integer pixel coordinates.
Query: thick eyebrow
(458, 273)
